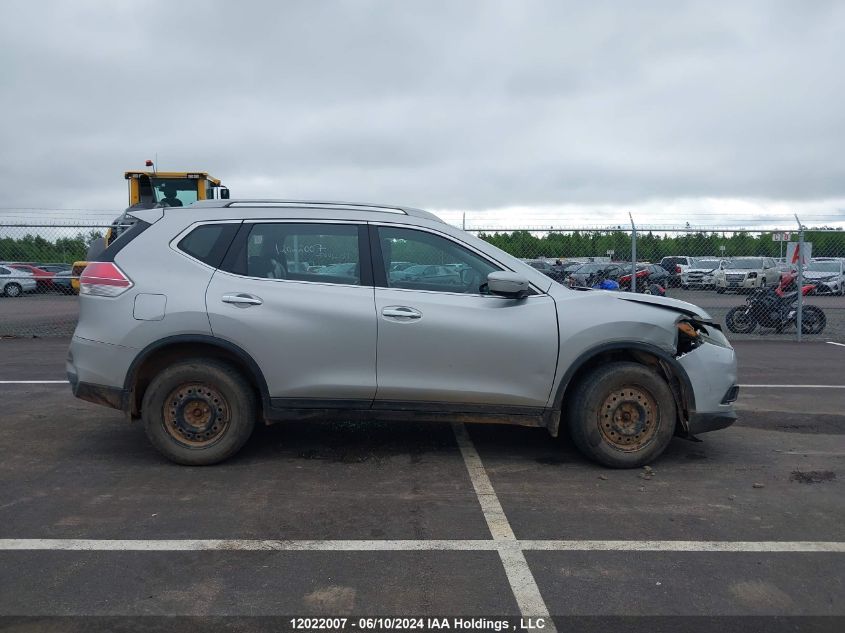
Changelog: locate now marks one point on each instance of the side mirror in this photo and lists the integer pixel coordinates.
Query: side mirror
(508, 284)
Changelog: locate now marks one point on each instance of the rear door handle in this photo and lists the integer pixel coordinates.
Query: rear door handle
(242, 299)
(403, 313)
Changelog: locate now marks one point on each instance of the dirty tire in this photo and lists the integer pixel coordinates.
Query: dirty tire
(614, 441)
(199, 412)
(12, 290)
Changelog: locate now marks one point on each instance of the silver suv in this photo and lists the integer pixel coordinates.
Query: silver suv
(201, 321)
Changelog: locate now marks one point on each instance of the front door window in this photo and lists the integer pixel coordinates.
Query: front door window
(418, 260)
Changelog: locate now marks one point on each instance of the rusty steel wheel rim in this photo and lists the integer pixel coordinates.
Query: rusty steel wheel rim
(628, 418)
(196, 414)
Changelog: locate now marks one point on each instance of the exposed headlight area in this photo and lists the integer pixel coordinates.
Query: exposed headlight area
(693, 334)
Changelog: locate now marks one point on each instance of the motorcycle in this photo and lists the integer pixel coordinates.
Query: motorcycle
(776, 309)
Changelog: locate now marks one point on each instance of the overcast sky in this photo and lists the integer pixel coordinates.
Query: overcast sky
(511, 111)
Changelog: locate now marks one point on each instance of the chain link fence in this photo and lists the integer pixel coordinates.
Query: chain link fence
(746, 279)
(38, 280)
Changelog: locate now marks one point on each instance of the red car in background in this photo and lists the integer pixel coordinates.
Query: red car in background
(43, 278)
(642, 274)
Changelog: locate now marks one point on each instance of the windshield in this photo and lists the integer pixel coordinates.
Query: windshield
(825, 267)
(174, 192)
(705, 263)
(746, 264)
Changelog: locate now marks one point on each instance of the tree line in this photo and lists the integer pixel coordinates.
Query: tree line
(35, 248)
(526, 244)
(653, 247)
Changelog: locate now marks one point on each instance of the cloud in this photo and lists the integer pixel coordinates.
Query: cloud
(456, 106)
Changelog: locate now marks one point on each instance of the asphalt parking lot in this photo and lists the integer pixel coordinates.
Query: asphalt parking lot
(98, 531)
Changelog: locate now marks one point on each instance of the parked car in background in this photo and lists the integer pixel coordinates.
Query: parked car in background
(827, 274)
(675, 265)
(747, 273)
(63, 282)
(701, 274)
(643, 272)
(548, 268)
(13, 283)
(582, 275)
(658, 275)
(651, 279)
(187, 323)
(43, 278)
(427, 273)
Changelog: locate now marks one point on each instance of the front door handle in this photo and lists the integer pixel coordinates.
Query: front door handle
(403, 313)
(242, 299)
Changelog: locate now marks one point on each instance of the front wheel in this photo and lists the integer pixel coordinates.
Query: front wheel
(813, 320)
(199, 412)
(621, 415)
(740, 320)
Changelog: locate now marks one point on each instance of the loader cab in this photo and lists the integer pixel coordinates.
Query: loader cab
(174, 189)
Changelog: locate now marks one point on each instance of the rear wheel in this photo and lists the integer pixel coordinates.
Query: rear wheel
(813, 320)
(13, 290)
(199, 412)
(740, 320)
(622, 415)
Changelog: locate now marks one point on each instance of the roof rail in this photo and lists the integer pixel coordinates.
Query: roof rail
(314, 204)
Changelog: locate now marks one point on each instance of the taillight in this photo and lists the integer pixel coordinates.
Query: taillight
(103, 279)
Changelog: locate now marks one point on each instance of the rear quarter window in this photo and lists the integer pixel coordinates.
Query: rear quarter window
(208, 243)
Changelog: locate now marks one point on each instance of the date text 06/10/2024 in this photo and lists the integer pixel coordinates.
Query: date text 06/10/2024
(418, 624)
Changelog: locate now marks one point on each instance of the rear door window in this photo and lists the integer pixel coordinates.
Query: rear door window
(315, 252)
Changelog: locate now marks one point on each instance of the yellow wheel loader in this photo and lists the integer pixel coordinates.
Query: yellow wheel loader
(148, 189)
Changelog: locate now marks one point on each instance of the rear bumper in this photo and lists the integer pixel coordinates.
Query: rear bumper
(113, 397)
(92, 365)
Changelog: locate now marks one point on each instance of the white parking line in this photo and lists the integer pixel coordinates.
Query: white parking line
(833, 343)
(791, 386)
(248, 545)
(687, 546)
(33, 382)
(521, 580)
(198, 545)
